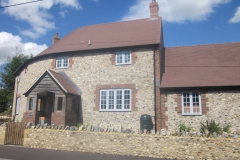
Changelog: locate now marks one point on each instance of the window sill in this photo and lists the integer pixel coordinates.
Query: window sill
(192, 114)
(115, 110)
(123, 64)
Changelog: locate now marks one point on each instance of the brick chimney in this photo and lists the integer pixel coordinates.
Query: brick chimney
(55, 38)
(154, 9)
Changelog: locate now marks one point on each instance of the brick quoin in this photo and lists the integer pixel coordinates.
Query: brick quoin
(115, 86)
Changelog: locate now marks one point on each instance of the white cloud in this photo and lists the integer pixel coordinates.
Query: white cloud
(175, 10)
(62, 13)
(36, 14)
(236, 17)
(9, 43)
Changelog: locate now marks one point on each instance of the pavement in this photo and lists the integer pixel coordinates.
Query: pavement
(22, 153)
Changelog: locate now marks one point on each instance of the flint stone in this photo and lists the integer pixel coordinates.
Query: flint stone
(163, 132)
(225, 134)
(67, 128)
(60, 127)
(145, 131)
(29, 124)
(37, 126)
(80, 128)
(97, 129)
(214, 134)
(53, 126)
(72, 128)
(152, 131)
(128, 130)
(183, 133)
(235, 135)
(4, 124)
(199, 134)
(32, 126)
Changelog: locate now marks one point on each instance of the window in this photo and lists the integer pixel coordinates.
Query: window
(191, 103)
(62, 62)
(30, 105)
(124, 57)
(59, 106)
(17, 106)
(115, 100)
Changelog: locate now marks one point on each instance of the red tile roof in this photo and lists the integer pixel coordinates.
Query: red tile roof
(202, 66)
(63, 82)
(110, 35)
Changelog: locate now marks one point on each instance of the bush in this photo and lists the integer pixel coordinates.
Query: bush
(183, 127)
(211, 127)
(227, 128)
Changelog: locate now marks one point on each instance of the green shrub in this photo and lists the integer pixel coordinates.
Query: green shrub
(211, 127)
(183, 127)
(226, 128)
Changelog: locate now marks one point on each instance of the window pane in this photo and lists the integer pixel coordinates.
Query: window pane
(59, 63)
(59, 107)
(30, 107)
(119, 99)
(65, 62)
(103, 99)
(127, 99)
(111, 100)
(127, 57)
(119, 58)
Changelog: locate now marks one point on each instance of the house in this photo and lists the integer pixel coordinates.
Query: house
(111, 74)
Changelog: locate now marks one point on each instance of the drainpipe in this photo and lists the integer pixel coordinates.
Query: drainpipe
(154, 83)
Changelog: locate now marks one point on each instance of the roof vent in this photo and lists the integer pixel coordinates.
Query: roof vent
(154, 9)
(55, 38)
(89, 42)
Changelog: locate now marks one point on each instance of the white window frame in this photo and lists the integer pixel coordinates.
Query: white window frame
(61, 59)
(17, 105)
(123, 56)
(115, 100)
(191, 104)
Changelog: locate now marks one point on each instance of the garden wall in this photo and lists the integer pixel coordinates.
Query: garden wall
(146, 145)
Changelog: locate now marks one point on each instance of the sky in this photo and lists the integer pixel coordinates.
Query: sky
(29, 28)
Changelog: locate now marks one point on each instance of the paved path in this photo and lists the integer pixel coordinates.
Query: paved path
(21, 153)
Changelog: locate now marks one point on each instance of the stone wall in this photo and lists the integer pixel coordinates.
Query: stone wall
(222, 106)
(152, 145)
(2, 135)
(89, 70)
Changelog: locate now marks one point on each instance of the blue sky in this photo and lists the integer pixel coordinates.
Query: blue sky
(31, 27)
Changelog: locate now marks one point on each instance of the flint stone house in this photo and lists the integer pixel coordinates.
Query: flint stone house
(111, 74)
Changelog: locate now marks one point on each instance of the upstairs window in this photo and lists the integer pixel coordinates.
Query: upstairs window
(62, 62)
(115, 100)
(124, 57)
(191, 103)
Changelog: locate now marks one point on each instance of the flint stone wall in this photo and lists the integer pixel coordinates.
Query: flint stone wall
(92, 69)
(224, 108)
(2, 135)
(134, 144)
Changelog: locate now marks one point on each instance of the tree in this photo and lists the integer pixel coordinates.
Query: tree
(3, 101)
(7, 75)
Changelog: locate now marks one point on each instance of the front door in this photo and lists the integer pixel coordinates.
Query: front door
(45, 107)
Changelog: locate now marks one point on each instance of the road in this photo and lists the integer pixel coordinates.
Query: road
(21, 153)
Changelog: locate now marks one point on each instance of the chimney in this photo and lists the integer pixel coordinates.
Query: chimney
(55, 38)
(154, 9)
